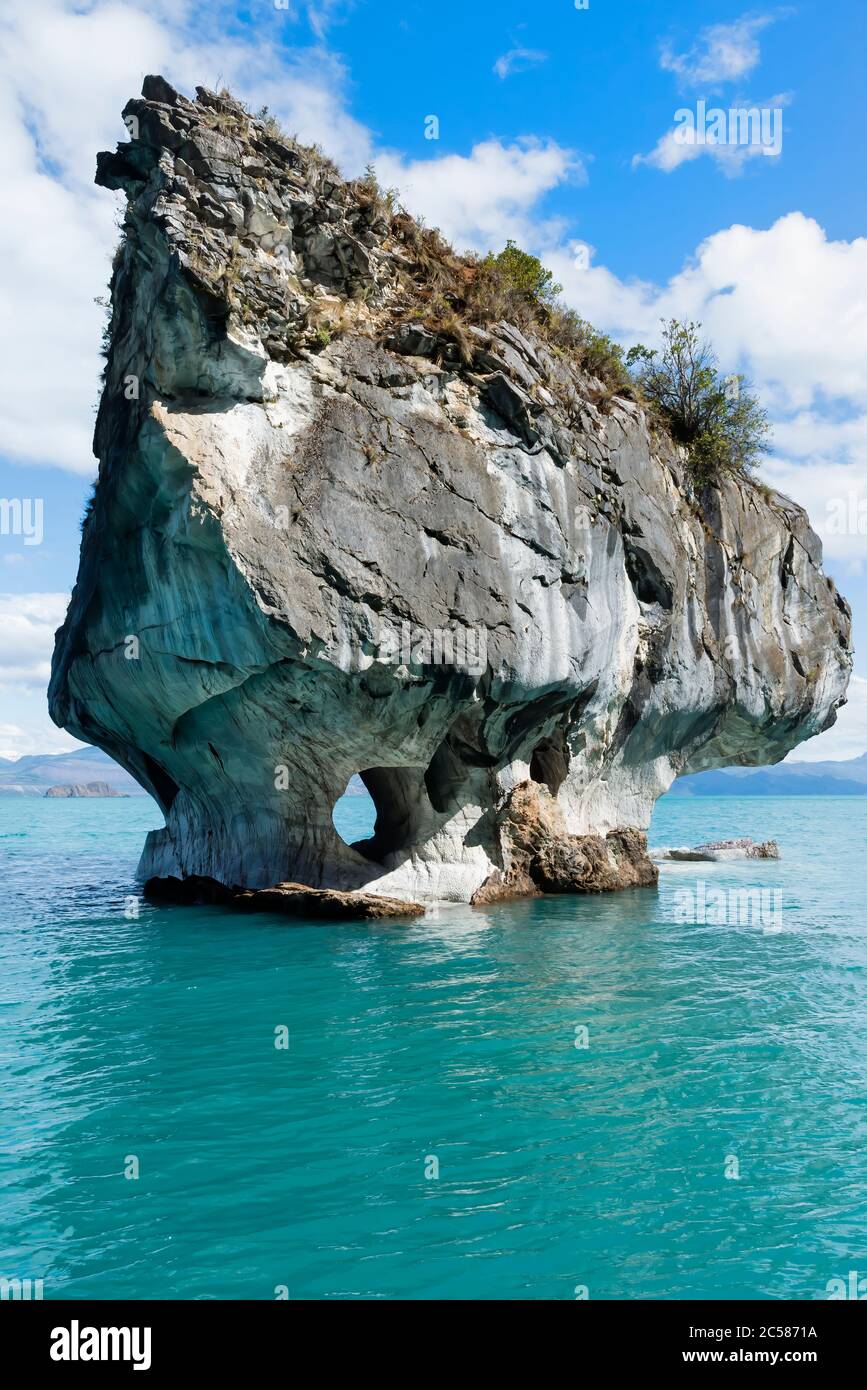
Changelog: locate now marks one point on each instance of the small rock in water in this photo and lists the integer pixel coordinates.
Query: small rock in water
(68, 789)
(722, 851)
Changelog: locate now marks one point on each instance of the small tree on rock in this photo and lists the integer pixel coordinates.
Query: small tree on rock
(523, 275)
(718, 419)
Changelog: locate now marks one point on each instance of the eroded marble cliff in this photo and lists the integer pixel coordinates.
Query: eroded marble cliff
(327, 540)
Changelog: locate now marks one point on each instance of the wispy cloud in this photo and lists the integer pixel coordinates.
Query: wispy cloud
(690, 137)
(722, 53)
(519, 60)
(321, 14)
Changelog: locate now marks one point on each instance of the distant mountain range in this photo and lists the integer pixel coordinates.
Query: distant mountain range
(34, 774)
(847, 778)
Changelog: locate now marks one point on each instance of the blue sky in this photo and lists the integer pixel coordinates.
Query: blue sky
(554, 127)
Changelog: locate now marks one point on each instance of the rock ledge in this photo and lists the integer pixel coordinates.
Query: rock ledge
(290, 899)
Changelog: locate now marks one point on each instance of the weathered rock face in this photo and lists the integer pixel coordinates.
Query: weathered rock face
(324, 541)
(539, 855)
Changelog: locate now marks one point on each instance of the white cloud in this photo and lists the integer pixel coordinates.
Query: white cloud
(11, 737)
(747, 130)
(848, 737)
(722, 53)
(27, 626)
(66, 71)
(518, 60)
(831, 483)
(480, 200)
(37, 734)
(784, 304)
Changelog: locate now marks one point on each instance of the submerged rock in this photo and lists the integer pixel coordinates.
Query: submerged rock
(724, 850)
(329, 539)
(288, 899)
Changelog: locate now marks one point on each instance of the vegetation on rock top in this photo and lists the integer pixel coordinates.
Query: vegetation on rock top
(409, 275)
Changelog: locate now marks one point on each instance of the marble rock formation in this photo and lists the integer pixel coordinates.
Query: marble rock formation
(327, 539)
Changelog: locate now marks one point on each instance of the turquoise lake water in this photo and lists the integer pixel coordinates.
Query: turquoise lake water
(149, 1042)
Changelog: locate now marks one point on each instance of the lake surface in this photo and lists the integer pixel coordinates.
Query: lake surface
(522, 1102)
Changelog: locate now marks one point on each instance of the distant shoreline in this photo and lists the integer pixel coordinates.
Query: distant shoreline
(34, 774)
(735, 794)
